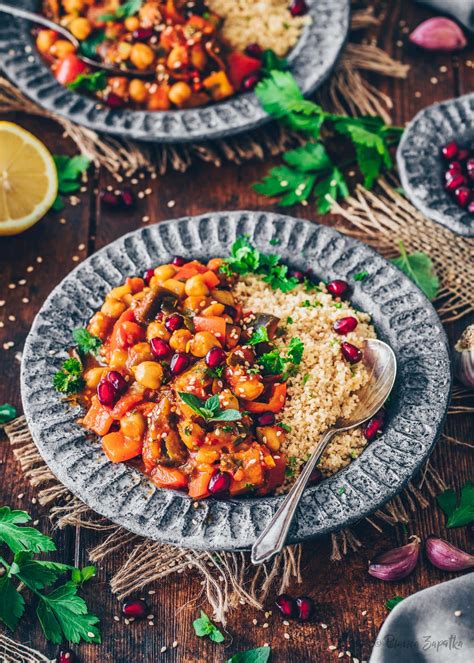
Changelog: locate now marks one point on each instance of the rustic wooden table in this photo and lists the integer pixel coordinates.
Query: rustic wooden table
(349, 603)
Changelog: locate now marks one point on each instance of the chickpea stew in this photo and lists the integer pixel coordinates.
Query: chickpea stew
(175, 372)
(176, 46)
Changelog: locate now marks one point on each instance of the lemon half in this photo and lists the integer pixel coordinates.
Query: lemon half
(28, 179)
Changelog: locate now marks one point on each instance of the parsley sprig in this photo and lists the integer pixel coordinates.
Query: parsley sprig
(274, 363)
(209, 410)
(258, 655)
(309, 170)
(63, 615)
(458, 514)
(89, 82)
(69, 171)
(69, 379)
(86, 342)
(203, 627)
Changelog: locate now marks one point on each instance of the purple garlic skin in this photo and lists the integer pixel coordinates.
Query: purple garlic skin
(439, 34)
(397, 563)
(447, 557)
(464, 358)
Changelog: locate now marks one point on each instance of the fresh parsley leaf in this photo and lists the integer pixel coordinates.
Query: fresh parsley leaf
(285, 427)
(391, 603)
(69, 170)
(210, 409)
(258, 655)
(88, 47)
(34, 573)
(12, 603)
(272, 363)
(260, 335)
(274, 242)
(129, 8)
(215, 372)
(7, 413)
(204, 627)
(272, 62)
(69, 379)
(360, 276)
(86, 342)
(80, 576)
(419, 268)
(331, 188)
(89, 82)
(458, 514)
(22, 538)
(63, 616)
(295, 350)
(289, 320)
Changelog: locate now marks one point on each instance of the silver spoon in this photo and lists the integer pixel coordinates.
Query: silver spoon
(42, 20)
(380, 360)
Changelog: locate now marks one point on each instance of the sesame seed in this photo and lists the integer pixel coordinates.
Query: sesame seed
(8, 345)
(22, 282)
(11, 318)
(332, 647)
(162, 650)
(81, 247)
(151, 592)
(286, 623)
(39, 259)
(36, 522)
(75, 258)
(117, 619)
(364, 612)
(323, 625)
(25, 300)
(433, 80)
(127, 621)
(171, 203)
(33, 500)
(141, 195)
(340, 655)
(90, 634)
(20, 496)
(443, 69)
(457, 613)
(2, 302)
(148, 191)
(265, 625)
(12, 286)
(286, 636)
(254, 622)
(175, 644)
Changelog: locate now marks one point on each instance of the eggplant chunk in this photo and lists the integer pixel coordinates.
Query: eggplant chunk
(270, 322)
(150, 304)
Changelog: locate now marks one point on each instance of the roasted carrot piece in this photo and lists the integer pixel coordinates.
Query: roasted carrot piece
(136, 283)
(211, 279)
(168, 477)
(213, 323)
(275, 404)
(214, 264)
(119, 448)
(98, 418)
(198, 486)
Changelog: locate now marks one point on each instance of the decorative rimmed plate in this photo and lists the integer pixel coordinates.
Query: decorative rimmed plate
(311, 61)
(403, 317)
(421, 166)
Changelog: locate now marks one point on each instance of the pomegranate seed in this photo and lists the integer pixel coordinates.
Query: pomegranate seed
(470, 207)
(106, 393)
(142, 34)
(298, 7)
(219, 483)
(469, 166)
(179, 362)
(136, 608)
(351, 353)
(463, 155)
(160, 348)
(251, 81)
(113, 100)
(455, 168)
(296, 274)
(305, 607)
(127, 198)
(337, 287)
(254, 50)
(147, 276)
(173, 322)
(178, 261)
(215, 357)
(345, 325)
(286, 605)
(266, 419)
(109, 199)
(316, 476)
(117, 381)
(373, 427)
(450, 151)
(463, 196)
(65, 656)
(455, 183)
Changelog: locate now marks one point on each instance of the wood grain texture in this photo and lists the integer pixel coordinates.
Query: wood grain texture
(342, 591)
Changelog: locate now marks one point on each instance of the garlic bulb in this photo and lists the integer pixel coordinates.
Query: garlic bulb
(464, 358)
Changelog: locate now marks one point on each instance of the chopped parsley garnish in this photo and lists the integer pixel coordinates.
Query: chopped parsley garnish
(203, 627)
(215, 372)
(258, 655)
(209, 410)
(391, 603)
(69, 379)
(273, 363)
(274, 242)
(337, 305)
(289, 320)
(295, 350)
(360, 276)
(341, 491)
(88, 47)
(86, 342)
(260, 335)
(285, 427)
(93, 82)
(129, 8)
(307, 304)
(306, 377)
(7, 413)
(290, 468)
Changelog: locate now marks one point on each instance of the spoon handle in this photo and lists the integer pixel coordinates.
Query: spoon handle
(37, 18)
(273, 537)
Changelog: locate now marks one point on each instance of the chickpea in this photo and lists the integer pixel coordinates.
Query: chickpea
(196, 304)
(150, 15)
(180, 339)
(124, 48)
(179, 93)
(149, 374)
(223, 297)
(202, 343)
(80, 28)
(157, 330)
(113, 307)
(118, 359)
(190, 433)
(213, 309)
(73, 6)
(133, 425)
(61, 48)
(271, 436)
(131, 23)
(138, 91)
(178, 57)
(207, 456)
(120, 292)
(227, 400)
(195, 287)
(140, 352)
(175, 286)
(94, 376)
(141, 56)
(165, 272)
(99, 325)
(45, 40)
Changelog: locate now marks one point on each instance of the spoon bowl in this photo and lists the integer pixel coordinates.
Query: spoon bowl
(380, 361)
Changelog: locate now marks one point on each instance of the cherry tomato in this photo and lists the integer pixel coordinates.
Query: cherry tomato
(69, 69)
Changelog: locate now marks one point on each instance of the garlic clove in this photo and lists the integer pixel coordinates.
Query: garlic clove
(464, 358)
(439, 34)
(447, 557)
(397, 563)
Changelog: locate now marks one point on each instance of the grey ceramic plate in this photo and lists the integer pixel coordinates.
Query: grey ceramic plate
(403, 316)
(311, 60)
(420, 164)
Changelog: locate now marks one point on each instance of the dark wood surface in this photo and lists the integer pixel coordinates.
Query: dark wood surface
(349, 603)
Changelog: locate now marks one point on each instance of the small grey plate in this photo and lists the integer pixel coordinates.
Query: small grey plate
(403, 316)
(311, 62)
(421, 165)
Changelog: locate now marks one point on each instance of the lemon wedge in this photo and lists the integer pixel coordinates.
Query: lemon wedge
(28, 179)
